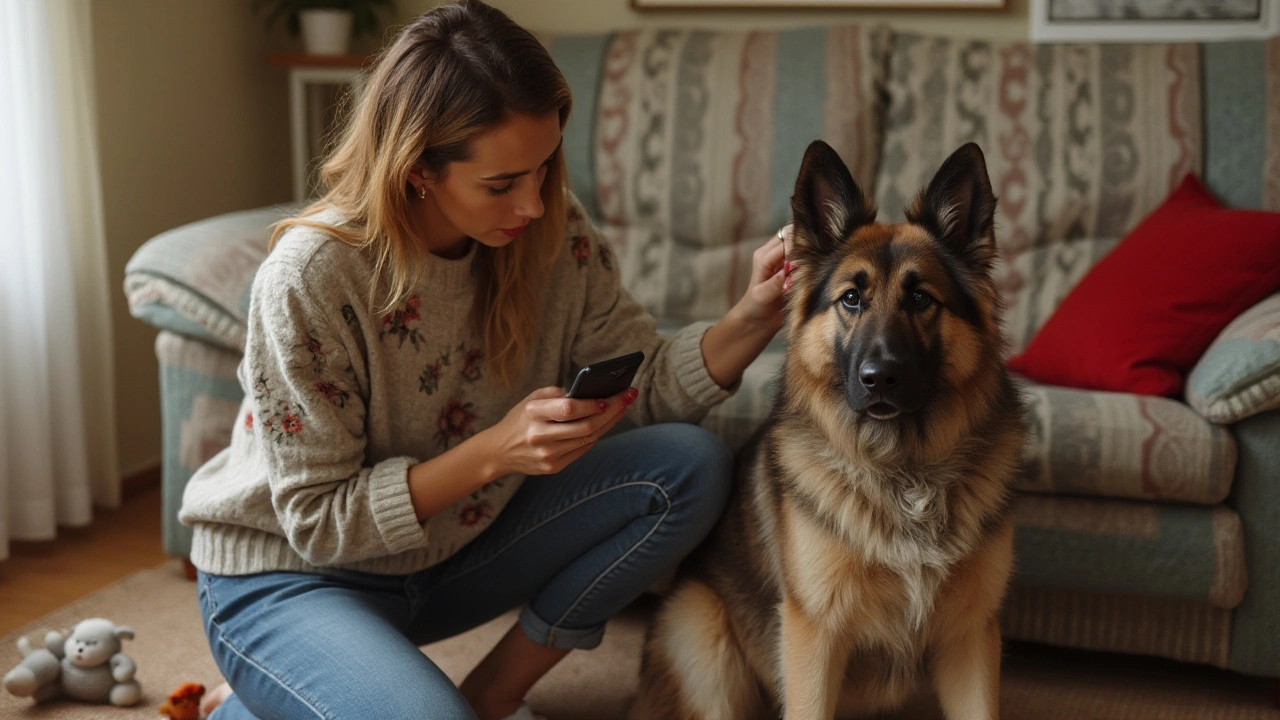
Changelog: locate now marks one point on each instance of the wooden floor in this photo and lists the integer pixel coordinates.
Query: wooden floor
(40, 577)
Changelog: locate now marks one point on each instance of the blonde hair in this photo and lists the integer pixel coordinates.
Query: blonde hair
(450, 74)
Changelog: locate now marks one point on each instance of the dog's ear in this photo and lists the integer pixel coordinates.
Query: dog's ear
(958, 207)
(827, 205)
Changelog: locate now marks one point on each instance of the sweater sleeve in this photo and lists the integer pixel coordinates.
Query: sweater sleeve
(308, 421)
(674, 383)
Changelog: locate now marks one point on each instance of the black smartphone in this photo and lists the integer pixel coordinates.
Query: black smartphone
(606, 378)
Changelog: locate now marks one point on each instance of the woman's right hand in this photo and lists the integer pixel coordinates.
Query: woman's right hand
(546, 431)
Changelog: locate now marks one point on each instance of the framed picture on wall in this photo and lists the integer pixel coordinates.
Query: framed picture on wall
(817, 4)
(1153, 20)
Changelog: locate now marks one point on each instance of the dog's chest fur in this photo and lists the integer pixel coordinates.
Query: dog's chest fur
(890, 539)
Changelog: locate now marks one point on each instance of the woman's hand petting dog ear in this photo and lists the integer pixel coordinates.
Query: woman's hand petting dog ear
(765, 298)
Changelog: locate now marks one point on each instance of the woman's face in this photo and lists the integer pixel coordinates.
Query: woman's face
(492, 196)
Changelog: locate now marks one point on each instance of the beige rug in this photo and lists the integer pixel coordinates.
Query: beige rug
(1039, 683)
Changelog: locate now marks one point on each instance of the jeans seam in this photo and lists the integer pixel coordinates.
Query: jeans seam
(213, 603)
(548, 519)
(590, 588)
(222, 638)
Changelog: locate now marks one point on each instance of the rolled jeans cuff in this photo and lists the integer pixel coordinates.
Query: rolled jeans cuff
(547, 635)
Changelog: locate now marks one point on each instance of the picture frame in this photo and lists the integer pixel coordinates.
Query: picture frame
(818, 4)
(1165, 20)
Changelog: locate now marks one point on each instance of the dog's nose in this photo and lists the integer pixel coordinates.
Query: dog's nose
(879, 375)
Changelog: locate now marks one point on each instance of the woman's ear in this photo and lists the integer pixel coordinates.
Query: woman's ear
(420, 177)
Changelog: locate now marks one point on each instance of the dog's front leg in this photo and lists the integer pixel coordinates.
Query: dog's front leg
(966, 672)
(810, 672)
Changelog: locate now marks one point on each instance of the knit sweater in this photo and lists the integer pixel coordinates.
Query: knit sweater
(340, 402)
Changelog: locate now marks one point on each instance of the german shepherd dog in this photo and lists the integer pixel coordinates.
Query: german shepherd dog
(867, 544)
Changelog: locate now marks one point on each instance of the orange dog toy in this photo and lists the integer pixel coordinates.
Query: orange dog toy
(184, 703)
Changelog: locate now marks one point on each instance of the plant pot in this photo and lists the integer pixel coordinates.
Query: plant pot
(326, 32)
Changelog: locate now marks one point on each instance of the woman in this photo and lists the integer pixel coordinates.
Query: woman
(405, 467)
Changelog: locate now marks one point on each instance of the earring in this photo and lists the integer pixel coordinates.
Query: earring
(422, 193)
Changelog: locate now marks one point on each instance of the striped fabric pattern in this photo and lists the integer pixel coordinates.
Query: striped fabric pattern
(1177, 629)
(200, 399)
(1239, 375)
(1081, 142)
(196, 278)
(1117, 547)
(1255, 645)
(1242, 122)
(697, 139)
(1120, 445)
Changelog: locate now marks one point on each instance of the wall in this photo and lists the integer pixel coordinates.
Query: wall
(191, 122)
(568, 16)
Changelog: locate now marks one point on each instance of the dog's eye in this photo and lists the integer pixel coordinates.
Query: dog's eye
(920, 300)
(851, 299)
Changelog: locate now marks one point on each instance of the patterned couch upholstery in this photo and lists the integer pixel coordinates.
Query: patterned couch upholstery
(1144, 525)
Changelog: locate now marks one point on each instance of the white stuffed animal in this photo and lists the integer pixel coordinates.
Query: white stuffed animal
(87, 666)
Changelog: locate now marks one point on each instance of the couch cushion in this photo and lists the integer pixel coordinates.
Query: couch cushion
(200, 398)
(1242, 122)
(696, 139)
(737, 418)
(1084, 442)
(1153, 305)
(1119, 547)
(1081, 142)
(1239, 375)
(195, 279)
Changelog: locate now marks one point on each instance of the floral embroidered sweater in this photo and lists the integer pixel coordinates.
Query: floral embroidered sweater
(340, 402)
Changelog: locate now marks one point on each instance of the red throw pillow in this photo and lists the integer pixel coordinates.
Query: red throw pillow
(1142, 317)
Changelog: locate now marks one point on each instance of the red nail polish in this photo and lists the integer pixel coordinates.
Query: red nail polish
(787, 267)
(603, 405)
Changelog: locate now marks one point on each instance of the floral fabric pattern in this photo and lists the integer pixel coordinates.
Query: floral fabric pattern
(456, 423)
(472, 367)
(397, 323)
(474, 512)
(279, 418)
(332, 392)
(582, 250)
(606, 256)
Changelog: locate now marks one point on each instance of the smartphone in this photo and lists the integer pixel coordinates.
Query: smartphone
(606, 378)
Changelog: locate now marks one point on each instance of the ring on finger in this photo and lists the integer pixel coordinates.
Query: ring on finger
(781, 236)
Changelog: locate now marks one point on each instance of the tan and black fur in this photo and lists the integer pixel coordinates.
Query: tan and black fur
(867, 545)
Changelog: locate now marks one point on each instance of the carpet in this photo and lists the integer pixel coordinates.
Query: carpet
(1039, 683)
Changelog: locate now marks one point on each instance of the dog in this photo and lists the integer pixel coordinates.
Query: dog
(867, 544)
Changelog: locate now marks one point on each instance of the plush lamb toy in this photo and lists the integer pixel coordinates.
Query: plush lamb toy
(87, 666)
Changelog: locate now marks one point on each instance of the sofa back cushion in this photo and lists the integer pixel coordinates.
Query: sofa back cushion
(685, 144)
(1242, 122)
(1081, 142)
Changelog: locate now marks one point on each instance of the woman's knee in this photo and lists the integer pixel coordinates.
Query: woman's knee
(699, 470)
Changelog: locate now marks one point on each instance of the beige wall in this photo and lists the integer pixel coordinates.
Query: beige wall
(566, 16)
(191, 123)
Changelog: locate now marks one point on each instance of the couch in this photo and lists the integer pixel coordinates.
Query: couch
(1145, 525)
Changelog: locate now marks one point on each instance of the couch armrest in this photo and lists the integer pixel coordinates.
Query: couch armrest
(1239, 375)
(194, 280)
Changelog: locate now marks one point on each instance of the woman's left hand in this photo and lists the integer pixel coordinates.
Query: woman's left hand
(762, 303)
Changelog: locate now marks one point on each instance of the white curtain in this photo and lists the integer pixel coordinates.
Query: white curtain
(57, 434)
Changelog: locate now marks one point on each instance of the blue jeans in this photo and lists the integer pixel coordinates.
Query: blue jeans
(572, 548)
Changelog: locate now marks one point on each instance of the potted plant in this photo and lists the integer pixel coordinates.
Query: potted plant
(326, 26)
